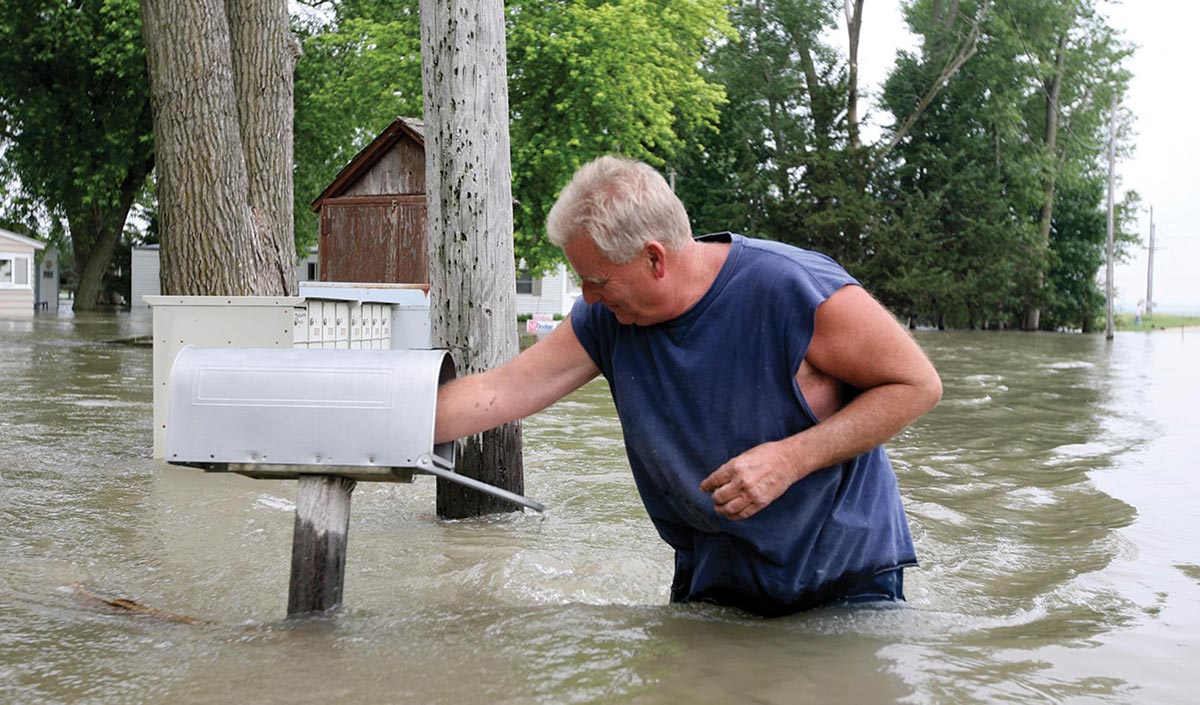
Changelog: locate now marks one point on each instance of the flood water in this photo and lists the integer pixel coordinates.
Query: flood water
(1053, 499)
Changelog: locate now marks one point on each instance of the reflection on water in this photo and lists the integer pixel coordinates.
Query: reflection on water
(1050, 496)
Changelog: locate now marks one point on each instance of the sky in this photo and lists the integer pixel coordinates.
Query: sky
(1166, 158)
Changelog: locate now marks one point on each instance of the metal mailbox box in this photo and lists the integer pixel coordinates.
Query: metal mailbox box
(280, 413)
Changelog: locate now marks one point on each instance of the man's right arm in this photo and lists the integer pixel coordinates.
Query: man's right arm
(533, 380)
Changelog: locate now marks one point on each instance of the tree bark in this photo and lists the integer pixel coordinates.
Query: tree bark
(472, 272)
(1053, 90)
(264, 59)
(210, 225)
(95, 236)
(854, 31)
(93, 253)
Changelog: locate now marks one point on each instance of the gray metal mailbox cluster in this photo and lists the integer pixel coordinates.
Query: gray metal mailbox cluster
(341, 325)
(327, 316)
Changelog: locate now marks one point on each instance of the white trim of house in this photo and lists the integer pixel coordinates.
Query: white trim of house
(21, 239)
(20, 249)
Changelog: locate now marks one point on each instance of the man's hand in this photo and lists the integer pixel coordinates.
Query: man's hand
(857, 342)
(743, 486)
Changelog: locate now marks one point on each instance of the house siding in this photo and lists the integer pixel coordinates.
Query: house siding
(17, 301)
(16, 304)
(558, 293)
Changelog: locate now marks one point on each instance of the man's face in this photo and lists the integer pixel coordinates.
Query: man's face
(623, 289)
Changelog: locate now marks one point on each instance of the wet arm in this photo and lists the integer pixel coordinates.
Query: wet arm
(538, 377)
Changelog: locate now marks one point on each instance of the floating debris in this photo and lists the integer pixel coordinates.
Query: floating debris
(125, 605)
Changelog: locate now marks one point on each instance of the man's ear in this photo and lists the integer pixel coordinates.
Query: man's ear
(656, 256)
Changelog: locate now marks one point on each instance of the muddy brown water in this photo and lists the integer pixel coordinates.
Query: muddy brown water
(1054, 498)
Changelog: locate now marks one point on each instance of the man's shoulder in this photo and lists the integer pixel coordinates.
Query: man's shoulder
(779, 258)
(767, 249)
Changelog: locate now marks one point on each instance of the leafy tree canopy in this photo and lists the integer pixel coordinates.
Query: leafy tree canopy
(591, 78)
(74, 121)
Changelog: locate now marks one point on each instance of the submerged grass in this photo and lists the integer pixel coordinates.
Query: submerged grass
(1159, 321)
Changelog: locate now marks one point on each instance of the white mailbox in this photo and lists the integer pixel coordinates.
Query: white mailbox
(280, 413)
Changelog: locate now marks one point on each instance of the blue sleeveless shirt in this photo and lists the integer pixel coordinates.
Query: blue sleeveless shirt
(695, 391)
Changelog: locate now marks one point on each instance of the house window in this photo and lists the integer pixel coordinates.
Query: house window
(312, 271)
(14, 271)
(524, 283)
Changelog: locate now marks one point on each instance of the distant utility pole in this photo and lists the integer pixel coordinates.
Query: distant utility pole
(1150, 269)
(1112, 158)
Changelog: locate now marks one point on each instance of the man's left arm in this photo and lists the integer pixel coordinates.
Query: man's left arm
(855, 340)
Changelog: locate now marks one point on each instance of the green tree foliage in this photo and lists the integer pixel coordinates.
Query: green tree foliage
(988, 168)
(1077, 249)
(752, 168)
(591, 78)
(951, 218)
(987, 204)
(75, 121)
(783, 165)
(975, 237)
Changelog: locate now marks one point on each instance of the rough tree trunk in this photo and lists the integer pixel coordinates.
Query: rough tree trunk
(93, 257)
(472, 274)
(96, 232)
(853, 12)
(264, 59)
(217, 239)
(95, 236)
(1053, 88)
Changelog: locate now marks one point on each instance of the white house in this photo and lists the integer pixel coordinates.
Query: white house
(553, 294)
(17, 274)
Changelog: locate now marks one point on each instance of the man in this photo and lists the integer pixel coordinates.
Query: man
(754, 382)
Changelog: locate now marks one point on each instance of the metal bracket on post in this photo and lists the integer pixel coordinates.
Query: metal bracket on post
(428, 464)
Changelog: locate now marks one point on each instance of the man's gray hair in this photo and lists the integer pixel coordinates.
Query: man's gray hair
(621, 204)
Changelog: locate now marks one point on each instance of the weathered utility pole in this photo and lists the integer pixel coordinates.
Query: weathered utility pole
(1112, 158)
(1150, 269)
(468, 175)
